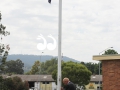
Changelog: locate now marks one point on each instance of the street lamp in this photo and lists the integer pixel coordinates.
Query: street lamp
(99, 64)
(41, 55)
(105, 50)
(40, 68)
(40, 60)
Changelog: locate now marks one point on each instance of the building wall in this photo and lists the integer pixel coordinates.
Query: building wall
(111, 74)
(54, 86)
(37, 85)
(45, 85)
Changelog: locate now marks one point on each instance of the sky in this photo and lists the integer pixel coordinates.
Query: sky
(88, 27)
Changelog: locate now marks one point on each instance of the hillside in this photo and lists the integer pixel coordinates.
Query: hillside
(29, 60)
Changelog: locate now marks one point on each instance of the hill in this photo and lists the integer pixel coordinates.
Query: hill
(29, 60)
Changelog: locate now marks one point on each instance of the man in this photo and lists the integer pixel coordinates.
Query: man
(68, 84)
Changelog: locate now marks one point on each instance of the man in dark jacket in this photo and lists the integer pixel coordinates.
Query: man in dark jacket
(68, 84)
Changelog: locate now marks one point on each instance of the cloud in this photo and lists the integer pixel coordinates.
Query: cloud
(88, 26)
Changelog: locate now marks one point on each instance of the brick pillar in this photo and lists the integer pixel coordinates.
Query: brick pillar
(111, 74)
(110, 71)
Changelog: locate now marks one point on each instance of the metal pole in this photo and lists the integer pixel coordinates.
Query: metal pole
(41, 55)
(99, 75)
(99, 64)
(40, 70)
(59, 46)
(40, 61)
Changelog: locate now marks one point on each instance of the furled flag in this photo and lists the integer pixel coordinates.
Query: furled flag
(49, 1)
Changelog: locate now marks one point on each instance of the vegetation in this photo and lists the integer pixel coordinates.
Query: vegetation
(76, 72)
(49, 66)
(93, 67)
(3, 48)
(44, 67)
(110, 51)
(14, 83)
(14, 66)
(79, 73)
(35, 68)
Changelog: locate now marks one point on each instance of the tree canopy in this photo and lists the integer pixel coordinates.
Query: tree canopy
(14, 83)
(76, 72)
(43, 67)
(14, 66)
(3, 48)
(35, 68)
(50, 66)
(93, 67)
(110, 51)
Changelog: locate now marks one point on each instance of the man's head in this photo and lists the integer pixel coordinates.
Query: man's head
(65, 81)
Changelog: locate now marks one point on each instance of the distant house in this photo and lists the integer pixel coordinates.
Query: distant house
(37, 82)
(46, 82)
(95, 82)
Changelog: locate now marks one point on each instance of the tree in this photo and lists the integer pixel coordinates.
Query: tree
(8, 83)
(44, 68)
(76, 72)
(93, 67)
(35, 68)
(14, 83)
(3, 48)
(15, 66)
(26, 85)
(110, 51)
(49, 66)
(18, 83)
(1, 83)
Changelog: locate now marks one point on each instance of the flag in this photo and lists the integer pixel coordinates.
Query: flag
(49, 1)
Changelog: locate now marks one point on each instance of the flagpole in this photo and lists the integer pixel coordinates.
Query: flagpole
(59, 45)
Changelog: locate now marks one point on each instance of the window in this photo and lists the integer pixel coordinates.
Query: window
(45, 82)
(96, 82)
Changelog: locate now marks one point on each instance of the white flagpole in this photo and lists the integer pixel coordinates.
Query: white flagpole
(59, 46)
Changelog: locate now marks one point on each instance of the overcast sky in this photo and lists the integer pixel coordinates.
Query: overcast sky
(88, 26)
